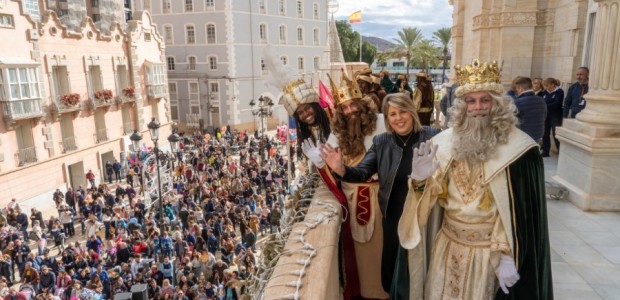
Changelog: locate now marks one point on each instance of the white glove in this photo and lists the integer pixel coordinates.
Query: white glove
(423, 164)
(507, 273)
(312, 152)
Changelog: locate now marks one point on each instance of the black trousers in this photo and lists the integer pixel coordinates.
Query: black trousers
(550, 125)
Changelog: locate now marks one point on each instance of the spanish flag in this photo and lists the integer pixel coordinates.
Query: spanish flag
(355, 17)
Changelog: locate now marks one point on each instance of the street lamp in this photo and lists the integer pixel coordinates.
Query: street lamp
(264, 109)
(173, 139)
(136, 138)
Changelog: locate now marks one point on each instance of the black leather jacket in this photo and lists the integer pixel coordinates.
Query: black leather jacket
(383, 158)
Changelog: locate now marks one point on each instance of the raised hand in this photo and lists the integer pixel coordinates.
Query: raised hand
(312, 152)
(333, 158)
(423, 164)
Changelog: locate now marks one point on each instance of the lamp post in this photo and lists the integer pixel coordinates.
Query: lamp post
(263, 110)
(135, 138)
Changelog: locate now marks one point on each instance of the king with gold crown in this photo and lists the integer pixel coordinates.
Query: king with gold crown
(491, 240)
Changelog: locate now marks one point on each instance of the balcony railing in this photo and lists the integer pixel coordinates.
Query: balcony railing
(69, 144)
(101, 135)
(22, 109)
(102, 102)
(127, 128)
(62, 107)
(156, 91)
(26, 156)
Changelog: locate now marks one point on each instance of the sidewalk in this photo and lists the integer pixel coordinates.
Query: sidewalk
(585, 248)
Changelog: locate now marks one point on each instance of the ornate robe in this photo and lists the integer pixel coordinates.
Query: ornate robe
(488, 209)
(365, 219)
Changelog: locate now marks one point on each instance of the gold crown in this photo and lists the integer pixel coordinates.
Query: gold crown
(349, 90)
(478, 73)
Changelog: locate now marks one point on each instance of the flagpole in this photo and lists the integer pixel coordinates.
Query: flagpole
(360, 42)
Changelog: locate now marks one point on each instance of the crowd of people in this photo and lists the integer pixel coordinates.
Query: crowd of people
(228, 190)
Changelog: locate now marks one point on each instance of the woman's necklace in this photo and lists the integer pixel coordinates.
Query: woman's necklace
(405, 142)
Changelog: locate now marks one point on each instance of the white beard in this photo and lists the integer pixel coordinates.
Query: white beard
(474, 141)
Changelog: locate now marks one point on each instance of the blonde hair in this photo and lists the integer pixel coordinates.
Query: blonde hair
(402, 102)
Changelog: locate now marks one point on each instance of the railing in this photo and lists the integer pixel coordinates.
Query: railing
(102, 135)
(66, 108)
(102, 102)
(125, 99)
(69, 144)
(26, 156)
(22, 109)
(156, 91)
(127, 128)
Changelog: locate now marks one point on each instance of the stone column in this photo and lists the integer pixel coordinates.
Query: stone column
(589, 160)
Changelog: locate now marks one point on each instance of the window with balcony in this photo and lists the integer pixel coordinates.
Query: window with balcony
(282, 34)
(174, 112)
(300, 9)
(32, 8)
(282, 7)
(261, 7)
(190, 34)
(262, 32)
(189, 5)
(315, 36)
(101, 132)
(300, 36)
(212, 63)
(300, 64)
(122, 79)
(194, 108)
(317, 63)
(96, 81)
(24, 98)
(211, 34)
(193, 91)
(69, 140)
(26, 152)
(166, 7)
(170, 63)
(214, 87)
(156, 80)
(191, 63)
(315, 10)
(60, 76)
(209, 4)
(172, 90)
(168, 38)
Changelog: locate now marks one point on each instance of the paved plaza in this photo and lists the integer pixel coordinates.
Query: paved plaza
(585, 249)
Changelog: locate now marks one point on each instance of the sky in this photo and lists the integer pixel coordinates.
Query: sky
(384, 18)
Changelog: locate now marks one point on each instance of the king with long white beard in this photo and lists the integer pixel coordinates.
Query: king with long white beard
(493, 242)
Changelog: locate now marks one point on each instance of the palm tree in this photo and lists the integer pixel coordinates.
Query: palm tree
(405, 45)
(426, 54)
(443, 36)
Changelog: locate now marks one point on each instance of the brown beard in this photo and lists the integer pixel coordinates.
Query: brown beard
(352, 130)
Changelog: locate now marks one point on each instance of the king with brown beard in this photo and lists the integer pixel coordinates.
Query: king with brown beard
(354, 125)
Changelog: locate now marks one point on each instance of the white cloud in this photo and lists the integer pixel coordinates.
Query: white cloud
(385, 18)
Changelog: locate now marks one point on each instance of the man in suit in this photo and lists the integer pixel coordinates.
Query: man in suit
(532, 109)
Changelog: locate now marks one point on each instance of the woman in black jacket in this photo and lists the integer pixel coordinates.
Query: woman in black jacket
(390, 156)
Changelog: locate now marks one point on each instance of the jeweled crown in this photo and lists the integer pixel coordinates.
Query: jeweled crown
(477, 73)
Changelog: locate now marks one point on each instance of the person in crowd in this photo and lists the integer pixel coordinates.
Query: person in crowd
(554, 97)
(575, 101)
(488, 177)
(390, 156)
(531, 108)
(424, 98)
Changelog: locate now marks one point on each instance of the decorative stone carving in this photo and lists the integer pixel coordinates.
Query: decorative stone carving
(513, 19)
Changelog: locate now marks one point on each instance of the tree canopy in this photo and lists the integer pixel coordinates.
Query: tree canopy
(350, 43)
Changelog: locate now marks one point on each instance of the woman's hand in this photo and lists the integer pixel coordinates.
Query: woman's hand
(333, 158)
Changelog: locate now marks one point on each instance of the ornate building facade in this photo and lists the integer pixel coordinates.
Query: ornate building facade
(71, 94)
(539, 38)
